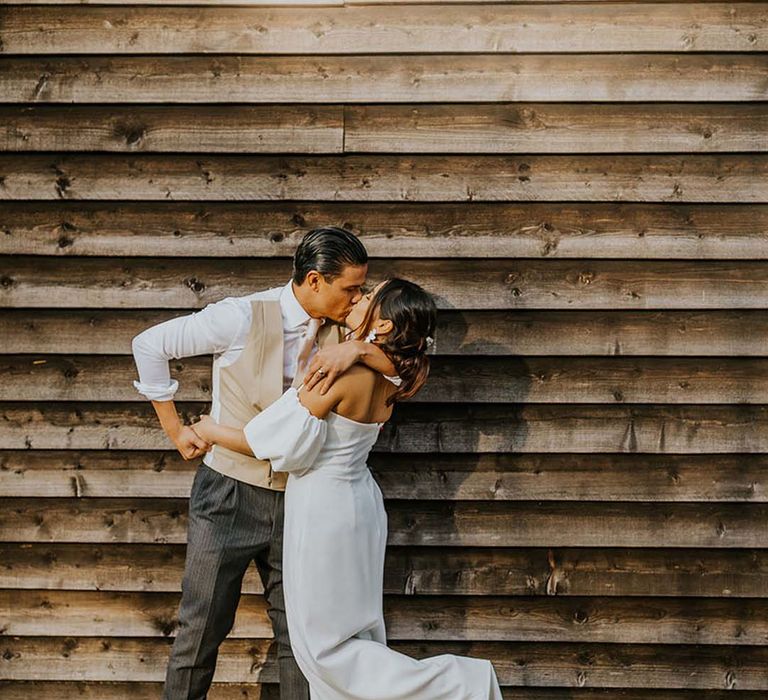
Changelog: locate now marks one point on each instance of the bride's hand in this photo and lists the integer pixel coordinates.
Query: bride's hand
(206, 428)
(328, 363)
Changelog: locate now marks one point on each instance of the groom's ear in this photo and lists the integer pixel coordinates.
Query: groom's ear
(313, 280)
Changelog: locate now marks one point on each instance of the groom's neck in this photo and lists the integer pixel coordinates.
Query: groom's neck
(303, 295)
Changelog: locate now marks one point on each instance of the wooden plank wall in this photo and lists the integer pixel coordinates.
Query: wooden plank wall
(579, 494)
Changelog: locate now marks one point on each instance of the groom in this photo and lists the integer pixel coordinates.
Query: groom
(262, 343)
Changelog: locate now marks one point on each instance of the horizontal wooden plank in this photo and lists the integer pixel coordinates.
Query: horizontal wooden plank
(422, 178)
(739, 332)
(447, 229)
(429, 128)
(91, 614)
(551, 128)
(430, 523)
(260, 3)
(496, 477)
(332, 3)
(76, 378)
(130, 659)
(456, 284)
(159, 128)
(577, 428)
(742, 332)
(734, 622)
(402, 2)
(84, 690)
(429, 428)
(63, 690)
(641, 77)
(567, 477)
(534, 379)
(380, 29)
(517, 664)
(736, 573)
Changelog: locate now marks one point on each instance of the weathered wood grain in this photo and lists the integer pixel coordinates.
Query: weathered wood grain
(423, 29)
(577, 428)
(640, 77)
(429, 428)
(608, 526)
(741, 332)
(594, 619)
(419, 571)
(446, 128)
(498, 284)
(91, 690)
(334, 3)
(446, 229)
(426, 523)
(69, 690)
(536, 379)
(555, 128)
(517, 663)
(113, 614)
(160, 128)
(491, 477)
(421, 178)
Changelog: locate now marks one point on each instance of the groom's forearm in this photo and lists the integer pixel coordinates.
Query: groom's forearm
(189, 445)
(168, 417)
(375, 358)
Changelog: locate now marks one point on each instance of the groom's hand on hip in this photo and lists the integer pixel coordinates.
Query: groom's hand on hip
(189, 444)
(329, 363)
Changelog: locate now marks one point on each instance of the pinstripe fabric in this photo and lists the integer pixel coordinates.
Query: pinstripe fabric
(231, 523)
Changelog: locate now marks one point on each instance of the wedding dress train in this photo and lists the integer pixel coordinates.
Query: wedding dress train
(335, 535)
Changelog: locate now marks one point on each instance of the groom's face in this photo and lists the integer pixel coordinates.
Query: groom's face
(336, 297)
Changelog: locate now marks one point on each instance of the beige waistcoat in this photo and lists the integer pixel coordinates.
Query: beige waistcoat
(251, 383)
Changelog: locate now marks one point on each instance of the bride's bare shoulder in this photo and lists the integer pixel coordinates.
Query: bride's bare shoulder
(358, 379)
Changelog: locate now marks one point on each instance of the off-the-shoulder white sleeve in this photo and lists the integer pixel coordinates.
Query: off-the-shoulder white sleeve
(287, 434)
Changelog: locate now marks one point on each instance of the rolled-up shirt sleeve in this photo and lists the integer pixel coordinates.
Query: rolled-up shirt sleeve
(208, 331)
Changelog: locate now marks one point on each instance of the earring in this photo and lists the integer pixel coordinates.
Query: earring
(371, 336)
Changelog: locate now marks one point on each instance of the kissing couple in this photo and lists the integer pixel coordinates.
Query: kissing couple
(304, 377)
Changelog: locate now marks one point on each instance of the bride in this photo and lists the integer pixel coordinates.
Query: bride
(335, 523)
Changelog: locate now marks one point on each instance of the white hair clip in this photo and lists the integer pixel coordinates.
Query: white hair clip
(430, 341)
(371, 336)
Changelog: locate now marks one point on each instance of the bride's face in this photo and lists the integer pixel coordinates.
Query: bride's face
(359, 310)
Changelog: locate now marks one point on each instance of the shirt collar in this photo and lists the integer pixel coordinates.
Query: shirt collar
(293, 312)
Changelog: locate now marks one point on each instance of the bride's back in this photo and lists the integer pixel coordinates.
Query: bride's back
(362, 394)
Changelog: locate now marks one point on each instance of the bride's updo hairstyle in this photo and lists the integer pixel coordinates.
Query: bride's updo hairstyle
(414, 316)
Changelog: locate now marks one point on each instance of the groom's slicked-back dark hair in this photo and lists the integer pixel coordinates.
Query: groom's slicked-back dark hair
(328, 249)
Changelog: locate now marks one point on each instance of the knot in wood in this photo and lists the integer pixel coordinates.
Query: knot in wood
(195, 284)
(580, 617)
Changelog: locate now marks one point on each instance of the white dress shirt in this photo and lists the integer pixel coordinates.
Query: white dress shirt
(220, 329)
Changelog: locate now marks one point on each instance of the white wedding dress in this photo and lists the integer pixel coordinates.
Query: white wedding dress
(333, 565)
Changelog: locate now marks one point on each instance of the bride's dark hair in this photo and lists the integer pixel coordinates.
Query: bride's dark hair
(414, 316)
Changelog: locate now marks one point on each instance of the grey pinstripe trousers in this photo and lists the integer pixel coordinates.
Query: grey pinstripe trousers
(231, 523)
